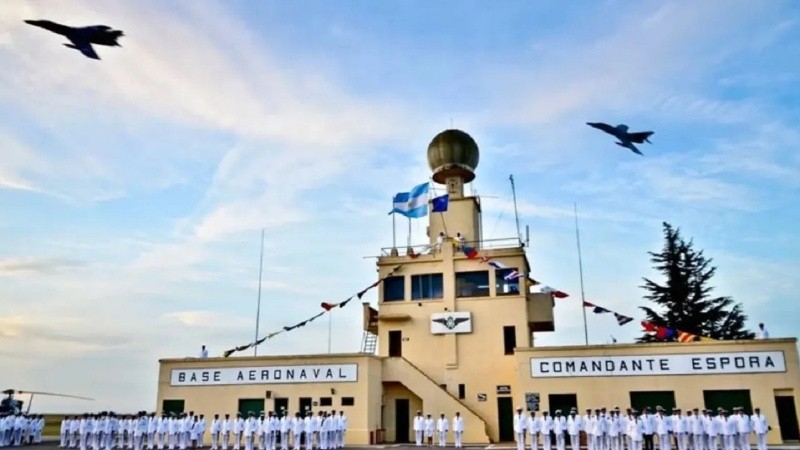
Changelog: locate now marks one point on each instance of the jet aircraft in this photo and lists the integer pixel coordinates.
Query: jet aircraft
(82, 38)
(626, 139)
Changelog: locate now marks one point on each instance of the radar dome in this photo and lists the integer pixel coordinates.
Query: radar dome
(453, 153)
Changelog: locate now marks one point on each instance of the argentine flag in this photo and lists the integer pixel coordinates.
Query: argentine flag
(412, 204)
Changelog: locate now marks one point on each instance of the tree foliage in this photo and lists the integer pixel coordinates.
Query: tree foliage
(685, 299)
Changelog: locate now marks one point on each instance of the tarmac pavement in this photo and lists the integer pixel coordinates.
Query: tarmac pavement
(49, 443)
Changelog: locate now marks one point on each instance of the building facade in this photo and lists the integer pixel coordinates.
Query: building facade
(452, 332)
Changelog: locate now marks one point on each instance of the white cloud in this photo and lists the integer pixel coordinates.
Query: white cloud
(265, 142)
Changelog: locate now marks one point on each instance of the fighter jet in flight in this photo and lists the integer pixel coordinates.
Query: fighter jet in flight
(621, 132)
(82, 38)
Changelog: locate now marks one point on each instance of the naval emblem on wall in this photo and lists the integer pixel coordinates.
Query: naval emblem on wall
(449, 323)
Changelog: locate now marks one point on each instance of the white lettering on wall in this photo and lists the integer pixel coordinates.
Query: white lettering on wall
(336, 373)
(683, 364)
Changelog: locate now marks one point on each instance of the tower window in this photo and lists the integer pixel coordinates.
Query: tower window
(472, 284)
(507, 281)
(509, 340)
(426, 286)
(462, 391)
(394, 289)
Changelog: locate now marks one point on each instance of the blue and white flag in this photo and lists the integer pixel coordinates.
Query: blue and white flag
(413, 204)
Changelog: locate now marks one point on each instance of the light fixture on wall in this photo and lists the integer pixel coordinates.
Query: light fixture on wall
(333, 391)
(268, 394)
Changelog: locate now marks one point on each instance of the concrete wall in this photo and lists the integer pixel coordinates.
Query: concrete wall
(613, 391)
(224, 399)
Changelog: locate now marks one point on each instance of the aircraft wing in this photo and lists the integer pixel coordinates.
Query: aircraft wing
(639, 138)
(603, 127)
(84, 47)
(633, 148)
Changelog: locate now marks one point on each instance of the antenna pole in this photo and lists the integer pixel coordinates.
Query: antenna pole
(258, 308)
(516, 213)
(580, 269)
(329, 332)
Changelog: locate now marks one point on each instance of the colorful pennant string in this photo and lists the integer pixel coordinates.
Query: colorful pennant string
(326, 306)
(662, 333)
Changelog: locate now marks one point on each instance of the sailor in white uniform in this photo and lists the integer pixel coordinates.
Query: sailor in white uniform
(635, 430)
(559, 429)
(419, 427)
(760, 428)
(442, 426)
(297, 430)
(216, 429)
(429, 426)
(574, 426)
(534, 428)
(458, 429)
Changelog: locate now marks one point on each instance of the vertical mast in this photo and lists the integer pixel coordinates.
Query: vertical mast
(258, 308)
(580, 269)
(516, 213)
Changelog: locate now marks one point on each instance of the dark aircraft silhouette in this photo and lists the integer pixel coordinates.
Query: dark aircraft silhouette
(621, 132)
(82, 38)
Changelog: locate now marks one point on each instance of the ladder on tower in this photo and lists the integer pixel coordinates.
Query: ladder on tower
(369, 342)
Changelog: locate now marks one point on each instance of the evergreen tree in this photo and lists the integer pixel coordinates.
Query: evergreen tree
(685, 298)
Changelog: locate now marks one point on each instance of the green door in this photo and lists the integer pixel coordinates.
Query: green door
(728, 400)
(172, 406)
(651, 399)
(564, 402)
(281, 405)
(251, 405)
(505, 418)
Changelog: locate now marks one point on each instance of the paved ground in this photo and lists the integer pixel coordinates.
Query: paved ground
(50, 444)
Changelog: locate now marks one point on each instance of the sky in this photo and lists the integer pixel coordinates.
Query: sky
(133, 190)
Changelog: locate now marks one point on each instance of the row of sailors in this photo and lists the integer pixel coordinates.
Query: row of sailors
(427, 427)
(20, 429)
(694, 430)
(108, 431)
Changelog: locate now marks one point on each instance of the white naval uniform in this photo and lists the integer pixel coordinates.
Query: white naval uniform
(297, 432)
(238, 428)
(520, 427)
(729, 433)
(442, 427)
(419, 427)
(559, 428)
(545, 429)
(743, 429)
(760, 428)
(574, 430)
(458, 430)
(429, 428)
(635, 430)
(534, 426)
(216, 429)
(614, 431)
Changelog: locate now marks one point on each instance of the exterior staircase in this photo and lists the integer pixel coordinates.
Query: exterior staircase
(434, 397)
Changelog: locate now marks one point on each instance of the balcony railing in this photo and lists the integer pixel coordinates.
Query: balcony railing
(402, 250)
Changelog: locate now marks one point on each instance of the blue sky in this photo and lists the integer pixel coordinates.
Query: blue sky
(133, 189)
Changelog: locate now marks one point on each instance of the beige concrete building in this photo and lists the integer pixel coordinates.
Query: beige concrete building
(452, 331)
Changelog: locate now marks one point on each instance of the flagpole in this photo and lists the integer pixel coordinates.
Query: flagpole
(580, 269)
(394, 233)
(329, 332)
(258, 308)
(409, 232)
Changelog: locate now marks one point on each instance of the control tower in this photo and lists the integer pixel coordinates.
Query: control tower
(450, 316)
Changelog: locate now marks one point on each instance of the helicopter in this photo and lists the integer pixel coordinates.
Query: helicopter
(10, 405)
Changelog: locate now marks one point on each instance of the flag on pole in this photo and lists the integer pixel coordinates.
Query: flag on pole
(440, 203)
(412, 204)
(555, 292)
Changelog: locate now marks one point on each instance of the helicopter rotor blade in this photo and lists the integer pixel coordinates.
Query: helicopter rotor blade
(55, 395)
